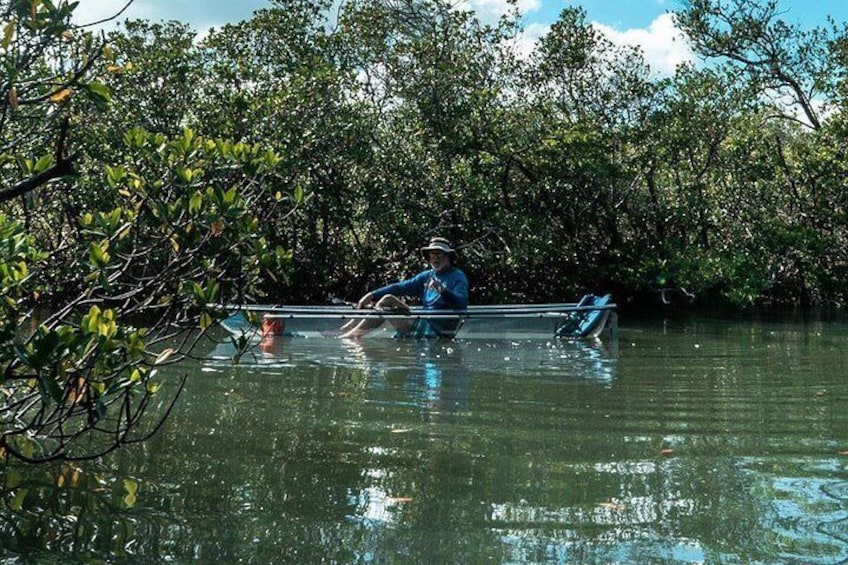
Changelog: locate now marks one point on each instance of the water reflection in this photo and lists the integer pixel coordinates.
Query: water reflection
(711, 444)
(433, 375)
(589, 360)
(423, 391)
(807, 508)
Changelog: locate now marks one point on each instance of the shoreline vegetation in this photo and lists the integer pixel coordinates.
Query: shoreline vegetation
(306, 153)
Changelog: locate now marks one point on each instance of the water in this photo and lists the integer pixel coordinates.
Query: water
(695, 442)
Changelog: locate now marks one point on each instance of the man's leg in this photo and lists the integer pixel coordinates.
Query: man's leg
(388, 303)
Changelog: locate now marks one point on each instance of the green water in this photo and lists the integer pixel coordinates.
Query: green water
(695, 442)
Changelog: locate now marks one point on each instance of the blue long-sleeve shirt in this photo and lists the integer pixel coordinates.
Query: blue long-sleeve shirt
(453, 296)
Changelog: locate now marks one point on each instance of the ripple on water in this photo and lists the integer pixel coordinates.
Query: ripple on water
(804, 515)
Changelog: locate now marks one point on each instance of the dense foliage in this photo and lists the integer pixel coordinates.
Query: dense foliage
(306, 153)
(126, 236)
(571, 170)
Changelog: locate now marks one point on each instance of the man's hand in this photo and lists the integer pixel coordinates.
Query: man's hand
(436, 285)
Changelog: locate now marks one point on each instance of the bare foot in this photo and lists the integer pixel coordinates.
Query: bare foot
(361, 328)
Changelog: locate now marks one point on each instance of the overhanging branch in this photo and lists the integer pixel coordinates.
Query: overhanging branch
(63, 166)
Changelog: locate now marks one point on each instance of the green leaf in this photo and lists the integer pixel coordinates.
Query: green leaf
(131, 486)
(115, 219)
(97, 255)
(17, 502)
(50, 388)
(91, 321)
(99, 94)
(114, 175)
(195, 202)
(272, 159)
(230, 196)
(199, 292)
(185, 174)
(43, 164)
(25, 164)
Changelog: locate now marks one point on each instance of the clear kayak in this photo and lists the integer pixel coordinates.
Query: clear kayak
(584, 319)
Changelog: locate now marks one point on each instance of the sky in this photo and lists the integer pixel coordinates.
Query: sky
(642, 22)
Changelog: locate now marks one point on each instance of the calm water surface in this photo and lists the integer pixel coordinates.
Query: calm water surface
(690, 442)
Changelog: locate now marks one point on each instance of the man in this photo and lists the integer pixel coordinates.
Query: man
(442, 286)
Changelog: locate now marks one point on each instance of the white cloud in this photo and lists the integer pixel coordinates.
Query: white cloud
(525, 43)
(662, 42)
(490, 10)
(664, 46)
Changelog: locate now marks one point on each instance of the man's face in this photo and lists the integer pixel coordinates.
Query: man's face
(438, 260)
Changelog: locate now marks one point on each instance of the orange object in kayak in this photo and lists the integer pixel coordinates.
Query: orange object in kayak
(273, 326)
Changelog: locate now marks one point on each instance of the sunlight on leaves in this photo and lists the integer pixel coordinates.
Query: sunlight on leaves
(131, 489)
